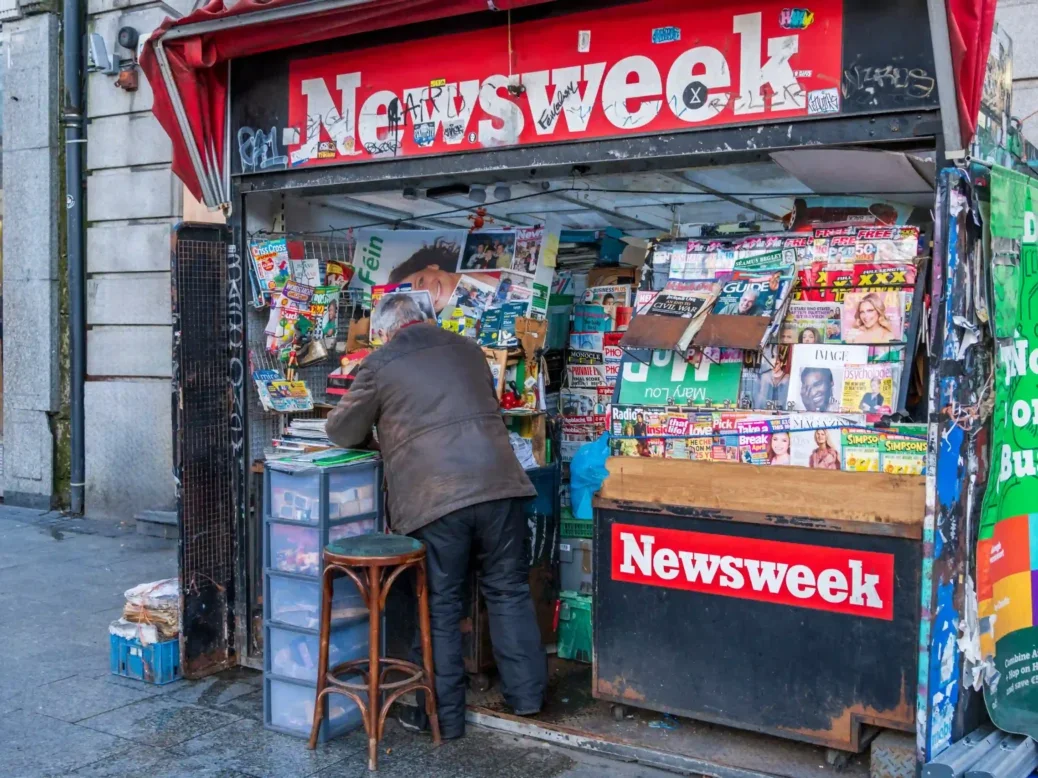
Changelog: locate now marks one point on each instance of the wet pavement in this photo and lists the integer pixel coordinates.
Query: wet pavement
(62, 712)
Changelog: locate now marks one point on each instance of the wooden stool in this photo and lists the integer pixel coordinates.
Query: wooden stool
(385, 557)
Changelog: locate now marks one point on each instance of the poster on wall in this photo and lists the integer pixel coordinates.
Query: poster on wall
(1007, 547)
(513, 263)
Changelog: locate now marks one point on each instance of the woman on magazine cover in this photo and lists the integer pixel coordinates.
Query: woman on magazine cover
(873, 401)
(778, 449)
(824, 457)
(870, 322)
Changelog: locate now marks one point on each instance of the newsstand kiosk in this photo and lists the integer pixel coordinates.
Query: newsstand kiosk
(648, 116)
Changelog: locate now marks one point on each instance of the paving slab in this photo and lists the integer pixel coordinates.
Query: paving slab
(149, 762)
(159, 721)
(214, 691)
(77, 698)
(33, 746)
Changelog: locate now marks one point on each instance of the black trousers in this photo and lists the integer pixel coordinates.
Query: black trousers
(495, 532)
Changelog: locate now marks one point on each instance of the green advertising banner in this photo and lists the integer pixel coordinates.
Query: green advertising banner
(664, 378)
(1007, 549)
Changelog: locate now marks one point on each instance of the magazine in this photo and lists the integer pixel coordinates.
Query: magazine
(293, 300)
(610, 298)
(645, 425)
(528, 242)
(872, 317)
(815, 439)
(514, 288)
(324, 312)
(887, 244)
(585, 376)
(765, 378)
(497, 327)
(290, 396)
(902, 455)
(262, 378)
(860, 450)
(306, 271)
(585, 402)
(807, 322)
(868, 389)
(578, 430)
(472, 296)
(747, 294)
(270, 260)
(487, 252)
(764, 441)
(684, 299)
(816, 375)
(591, 318)
(675, 431)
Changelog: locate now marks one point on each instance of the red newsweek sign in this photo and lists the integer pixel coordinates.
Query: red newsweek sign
(641, 68)
(860, 583)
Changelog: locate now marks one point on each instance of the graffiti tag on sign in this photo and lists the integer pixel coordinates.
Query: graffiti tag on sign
(866, 85)
(823, 101)
(258, 150)
(795, 19)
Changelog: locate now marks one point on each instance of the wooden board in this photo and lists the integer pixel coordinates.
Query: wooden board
(870, 503)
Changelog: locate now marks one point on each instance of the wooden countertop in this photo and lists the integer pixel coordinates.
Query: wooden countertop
(864, 503)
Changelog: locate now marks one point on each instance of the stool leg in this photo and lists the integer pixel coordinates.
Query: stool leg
(374, 699)
(427, 654)
(322, 662)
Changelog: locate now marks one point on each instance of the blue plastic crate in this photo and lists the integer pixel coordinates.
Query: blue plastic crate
(158, 663)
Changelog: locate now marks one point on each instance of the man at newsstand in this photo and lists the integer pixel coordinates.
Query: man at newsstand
(454, 483)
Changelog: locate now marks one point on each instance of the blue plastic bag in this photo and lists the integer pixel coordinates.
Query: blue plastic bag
(587, 471)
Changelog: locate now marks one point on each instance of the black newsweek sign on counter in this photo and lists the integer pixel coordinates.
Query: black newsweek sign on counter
(769, 626)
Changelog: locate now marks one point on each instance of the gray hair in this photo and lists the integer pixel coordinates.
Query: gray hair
(395, 311)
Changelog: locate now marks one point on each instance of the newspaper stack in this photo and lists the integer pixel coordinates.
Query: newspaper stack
(151, 613)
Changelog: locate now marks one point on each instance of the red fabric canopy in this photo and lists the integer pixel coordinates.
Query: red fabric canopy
(198, 75)
(970, 23)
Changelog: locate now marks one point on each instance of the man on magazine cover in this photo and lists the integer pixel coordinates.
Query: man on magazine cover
(455, 484)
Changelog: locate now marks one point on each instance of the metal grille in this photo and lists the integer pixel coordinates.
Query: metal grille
(204, 448)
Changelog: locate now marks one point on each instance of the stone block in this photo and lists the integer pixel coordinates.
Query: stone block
(30, 347)
(104, 98)
(30, 233)
(145, 352)
(1020, 21)
(127, 140)
(1025, 103)
(114, 247)
(130, 298)
(133, 194)
(28, 476)
(30, 72)
(180, 7)
(129, 448)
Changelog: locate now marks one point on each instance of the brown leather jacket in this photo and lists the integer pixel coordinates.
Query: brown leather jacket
(443, 441)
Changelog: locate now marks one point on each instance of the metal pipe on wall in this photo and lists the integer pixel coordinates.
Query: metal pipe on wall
(75, 233)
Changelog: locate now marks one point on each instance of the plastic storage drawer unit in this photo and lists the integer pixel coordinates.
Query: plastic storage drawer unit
(293, 601)
(292, 653)
(289, 708)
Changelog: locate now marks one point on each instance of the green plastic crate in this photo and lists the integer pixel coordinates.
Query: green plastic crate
(575, 528)
(574, 640)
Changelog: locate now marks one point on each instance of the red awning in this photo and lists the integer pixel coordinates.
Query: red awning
(184, 61)
(970, 23)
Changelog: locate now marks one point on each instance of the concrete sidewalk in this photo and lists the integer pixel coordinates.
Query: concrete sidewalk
(62, 713)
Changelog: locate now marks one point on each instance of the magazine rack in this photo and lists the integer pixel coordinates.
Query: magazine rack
(305, 510)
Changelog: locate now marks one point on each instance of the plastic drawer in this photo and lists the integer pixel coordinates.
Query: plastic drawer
(294, 654)
(575, 555)
(295, 548)
(294, 496)
(296, 602)
(351, 492)
(289, 708)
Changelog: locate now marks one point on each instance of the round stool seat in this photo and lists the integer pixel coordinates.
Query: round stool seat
(377, 549)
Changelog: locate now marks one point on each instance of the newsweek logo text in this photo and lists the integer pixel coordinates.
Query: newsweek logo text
(456, 92)
(859, 583)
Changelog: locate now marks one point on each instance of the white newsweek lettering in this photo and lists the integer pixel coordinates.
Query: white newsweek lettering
(800, 581)
(631, 94)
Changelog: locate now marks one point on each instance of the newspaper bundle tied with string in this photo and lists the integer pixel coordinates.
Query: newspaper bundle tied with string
(151, 613)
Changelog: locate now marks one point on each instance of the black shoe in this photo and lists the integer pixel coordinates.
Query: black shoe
(412, 719)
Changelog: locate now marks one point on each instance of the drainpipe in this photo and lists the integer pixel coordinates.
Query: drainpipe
(72, 118)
